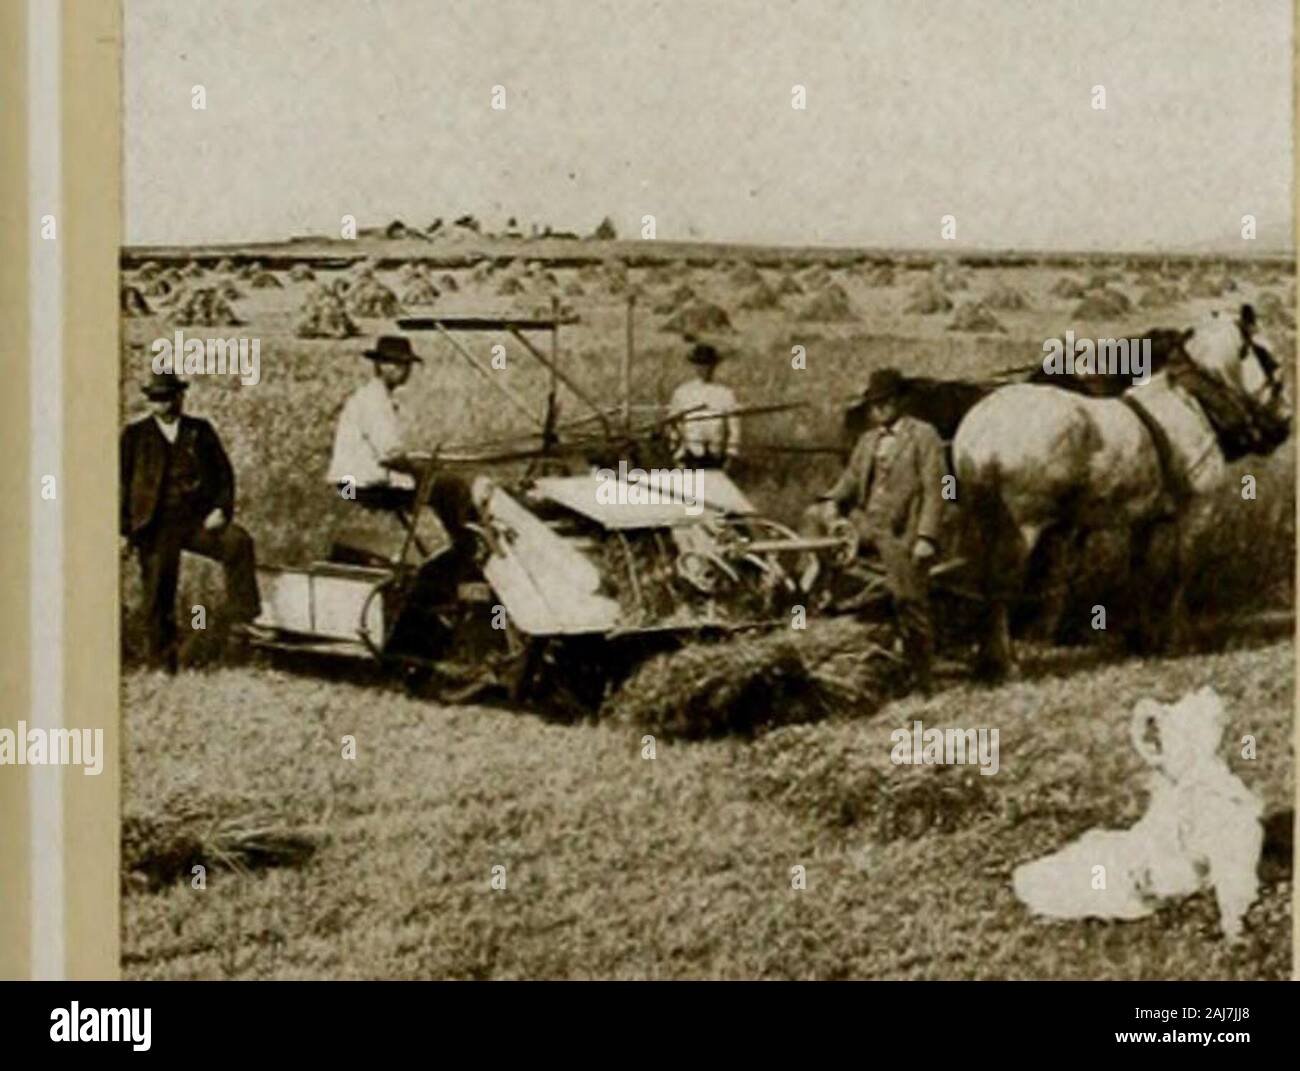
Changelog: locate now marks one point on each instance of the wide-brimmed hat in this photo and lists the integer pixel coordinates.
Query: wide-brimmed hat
(884, 383)
(393, 349)
(704, 353)
(163, 385)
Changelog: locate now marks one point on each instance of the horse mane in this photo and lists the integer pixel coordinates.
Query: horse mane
(1166, 343)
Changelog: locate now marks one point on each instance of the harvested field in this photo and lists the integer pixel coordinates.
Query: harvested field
(379, 867)
(624, 867)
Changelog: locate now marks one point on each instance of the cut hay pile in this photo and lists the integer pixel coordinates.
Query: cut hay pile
(760, 296)
(192, 271)
(977, 317)
(420, 292)
(223, 266)
(816, 278)
(753, 682)
(1202, 286)
(1068, 288)
(448, 283)
(161, 848)
(245, 272)
(950, 277)
(681, 295)
(745, 274)
(300, 273)
(324, 314)
(1103, 304)
(1006, 297)
(480, 273)
(573, 288)
(1101, 279)
(789, 285)
(371, 299)
(510, 286)
(229, 290)
(879, 275)
(204, 306)
(662, 275)
(1274, 309)
(1159, 296)
(829, 305)
(699, 318)
(133, 303)
(264, 280)
(926, 299)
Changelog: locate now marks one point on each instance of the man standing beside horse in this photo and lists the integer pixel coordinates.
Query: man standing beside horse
(892, 493)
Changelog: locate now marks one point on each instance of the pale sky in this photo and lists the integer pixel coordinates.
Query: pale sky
(682, 109)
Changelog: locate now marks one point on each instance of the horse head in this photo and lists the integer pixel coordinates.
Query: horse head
(1228, 346)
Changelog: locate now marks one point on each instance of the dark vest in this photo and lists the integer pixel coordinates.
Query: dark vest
(182, 477)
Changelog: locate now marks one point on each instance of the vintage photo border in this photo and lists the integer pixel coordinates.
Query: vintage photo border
(86, 910)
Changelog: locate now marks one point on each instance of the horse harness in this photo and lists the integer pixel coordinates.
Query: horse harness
(1240, 425)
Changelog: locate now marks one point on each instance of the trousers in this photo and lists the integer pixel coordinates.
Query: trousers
(908, 582)
(159, 549)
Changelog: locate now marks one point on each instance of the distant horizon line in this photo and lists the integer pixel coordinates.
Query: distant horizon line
(375, 233)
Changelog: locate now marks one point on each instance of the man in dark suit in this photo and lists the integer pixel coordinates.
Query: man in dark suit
(892, 492)
(178, 493)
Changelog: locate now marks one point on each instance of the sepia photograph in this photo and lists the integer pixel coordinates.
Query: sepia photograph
(660, 490)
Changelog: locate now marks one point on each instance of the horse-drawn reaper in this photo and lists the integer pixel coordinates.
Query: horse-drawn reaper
(586, 564)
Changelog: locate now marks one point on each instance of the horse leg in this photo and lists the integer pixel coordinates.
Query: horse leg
(1005, 579)
(1176, 630)
(1156, 580)
(1139, 625)
(1057, 548)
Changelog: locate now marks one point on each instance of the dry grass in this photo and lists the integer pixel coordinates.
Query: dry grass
(677, 867)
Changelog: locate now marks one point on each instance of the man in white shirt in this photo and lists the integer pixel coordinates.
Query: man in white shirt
(707, 436)
(369, 463)
(368, 437)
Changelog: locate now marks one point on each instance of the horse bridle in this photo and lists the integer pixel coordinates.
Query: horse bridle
(1267, 362)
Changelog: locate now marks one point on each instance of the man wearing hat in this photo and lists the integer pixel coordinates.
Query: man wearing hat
(892, 492)
(368, 463)
(178, 494)
(706, 437)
